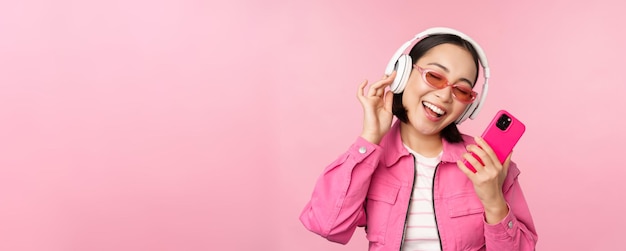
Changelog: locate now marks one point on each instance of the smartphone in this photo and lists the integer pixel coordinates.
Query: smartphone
(502, 133)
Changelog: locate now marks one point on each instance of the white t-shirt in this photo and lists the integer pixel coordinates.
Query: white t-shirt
(421, 232)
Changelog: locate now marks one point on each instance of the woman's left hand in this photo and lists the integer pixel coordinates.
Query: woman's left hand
(488, 179)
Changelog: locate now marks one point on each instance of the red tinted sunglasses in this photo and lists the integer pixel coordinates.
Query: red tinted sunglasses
(436, 80)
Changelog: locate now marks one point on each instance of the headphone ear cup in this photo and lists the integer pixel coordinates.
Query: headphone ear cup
(470, 112)
(403, 70)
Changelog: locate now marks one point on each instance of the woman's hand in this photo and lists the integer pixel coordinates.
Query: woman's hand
(488, 179)
(376, 108)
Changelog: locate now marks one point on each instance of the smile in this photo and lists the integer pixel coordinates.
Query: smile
(434, 108)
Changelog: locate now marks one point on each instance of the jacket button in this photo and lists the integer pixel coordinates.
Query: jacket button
(510, 224)
(362, 149)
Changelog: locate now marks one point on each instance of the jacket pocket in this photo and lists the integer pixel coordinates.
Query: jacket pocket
(381, 198)
(464, 205)
(466, 220)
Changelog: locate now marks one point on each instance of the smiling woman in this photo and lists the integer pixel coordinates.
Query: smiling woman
(402, 181)
(203, 125)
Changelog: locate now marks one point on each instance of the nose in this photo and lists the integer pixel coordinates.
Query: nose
(445, 94)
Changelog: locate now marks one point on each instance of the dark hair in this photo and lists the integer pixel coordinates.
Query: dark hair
(450, 133)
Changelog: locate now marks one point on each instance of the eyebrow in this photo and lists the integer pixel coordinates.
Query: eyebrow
(448, 71)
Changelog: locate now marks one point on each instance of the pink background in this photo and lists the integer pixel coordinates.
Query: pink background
(187, 125)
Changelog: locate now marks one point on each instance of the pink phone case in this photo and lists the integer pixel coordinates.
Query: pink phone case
(502, 133)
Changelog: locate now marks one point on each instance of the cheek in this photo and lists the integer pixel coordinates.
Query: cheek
(411, 100)
(459, 108)
(414, 91)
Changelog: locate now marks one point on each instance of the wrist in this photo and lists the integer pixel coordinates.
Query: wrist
(497, 208)
(371, 138)
(496, 211)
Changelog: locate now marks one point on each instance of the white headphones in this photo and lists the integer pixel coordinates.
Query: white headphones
(402, 64)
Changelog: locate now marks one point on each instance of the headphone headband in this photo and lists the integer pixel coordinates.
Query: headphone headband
(402, 64)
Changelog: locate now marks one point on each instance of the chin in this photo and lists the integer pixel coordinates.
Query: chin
(426, 127)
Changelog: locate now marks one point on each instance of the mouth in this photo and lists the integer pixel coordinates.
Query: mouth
(433, 110)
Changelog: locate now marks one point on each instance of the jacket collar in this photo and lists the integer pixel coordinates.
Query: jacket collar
(394, 148)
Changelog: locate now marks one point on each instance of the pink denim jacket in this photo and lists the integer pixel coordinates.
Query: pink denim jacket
(370, 185)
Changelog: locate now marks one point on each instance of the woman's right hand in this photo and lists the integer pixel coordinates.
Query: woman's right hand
(376, 108)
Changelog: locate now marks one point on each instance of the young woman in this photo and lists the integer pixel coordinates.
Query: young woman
(405, 181)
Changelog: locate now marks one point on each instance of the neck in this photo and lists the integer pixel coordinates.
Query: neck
(426, 145)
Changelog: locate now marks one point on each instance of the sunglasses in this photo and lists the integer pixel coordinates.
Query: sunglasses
(435, 80)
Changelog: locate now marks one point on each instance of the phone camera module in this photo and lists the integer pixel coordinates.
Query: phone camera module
(503, 122)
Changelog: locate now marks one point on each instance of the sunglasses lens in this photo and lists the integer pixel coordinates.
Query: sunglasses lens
(436, 80)
(463, 93)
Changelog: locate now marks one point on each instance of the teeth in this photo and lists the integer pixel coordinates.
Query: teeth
(434, 108)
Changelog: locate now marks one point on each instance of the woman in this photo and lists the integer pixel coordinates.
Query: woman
(405, 181)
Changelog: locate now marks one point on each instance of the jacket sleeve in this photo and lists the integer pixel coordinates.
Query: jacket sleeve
(336, 206)
(517, 229)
